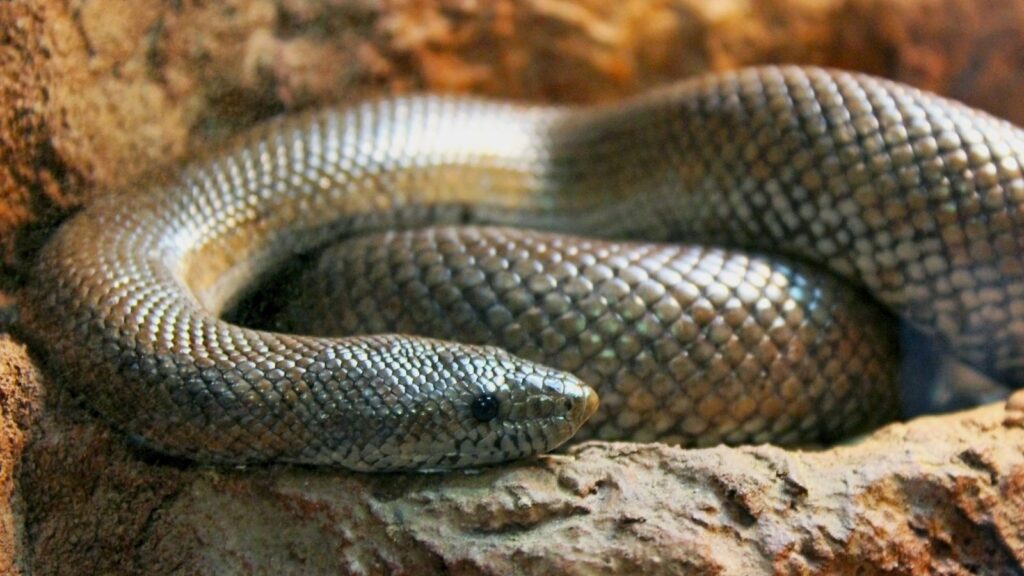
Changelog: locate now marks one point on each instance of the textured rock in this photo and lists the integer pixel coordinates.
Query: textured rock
(20, 400)
(938, 495)
(95, 95)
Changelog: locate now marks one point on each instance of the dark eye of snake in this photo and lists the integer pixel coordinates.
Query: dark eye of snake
(485, 407)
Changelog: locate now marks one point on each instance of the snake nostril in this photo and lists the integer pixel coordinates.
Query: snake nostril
(567, 403)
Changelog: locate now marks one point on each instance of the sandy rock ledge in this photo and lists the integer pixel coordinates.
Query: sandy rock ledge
(929, 507)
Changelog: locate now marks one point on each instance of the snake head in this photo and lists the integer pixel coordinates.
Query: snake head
(440, 405)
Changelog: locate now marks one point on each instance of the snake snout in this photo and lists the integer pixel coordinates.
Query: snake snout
(582, 411)
(580, 401)
(570, 402)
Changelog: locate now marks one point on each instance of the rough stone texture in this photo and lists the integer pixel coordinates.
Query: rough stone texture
(98, 94)
(20, 400)
(938, 495)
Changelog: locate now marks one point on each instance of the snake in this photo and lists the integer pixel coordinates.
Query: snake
(719, 260)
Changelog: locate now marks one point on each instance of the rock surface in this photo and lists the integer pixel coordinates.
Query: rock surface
(937, 495)
(95, 95)
(20, 404)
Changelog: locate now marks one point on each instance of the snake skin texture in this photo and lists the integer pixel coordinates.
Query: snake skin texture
(686, 344)
(911, 197)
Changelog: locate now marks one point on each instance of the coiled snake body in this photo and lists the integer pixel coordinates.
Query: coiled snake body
(917, 200)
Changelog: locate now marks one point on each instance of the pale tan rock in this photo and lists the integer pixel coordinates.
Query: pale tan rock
(938, 495)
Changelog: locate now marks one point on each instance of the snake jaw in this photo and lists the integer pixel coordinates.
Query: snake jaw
(543, 408)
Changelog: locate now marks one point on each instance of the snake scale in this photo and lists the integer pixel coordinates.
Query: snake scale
(847, 189)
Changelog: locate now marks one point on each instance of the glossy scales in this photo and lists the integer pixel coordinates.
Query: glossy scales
(912, 197)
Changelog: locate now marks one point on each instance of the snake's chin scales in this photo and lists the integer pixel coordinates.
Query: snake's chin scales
(864, 199)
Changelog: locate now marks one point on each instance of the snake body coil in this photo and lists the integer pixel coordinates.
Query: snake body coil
(917, 199)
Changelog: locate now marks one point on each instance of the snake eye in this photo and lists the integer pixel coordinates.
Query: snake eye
(484, 407)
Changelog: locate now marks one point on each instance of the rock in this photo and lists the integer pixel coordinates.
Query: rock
(97, 95)
(20, 403)
(937, 495)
